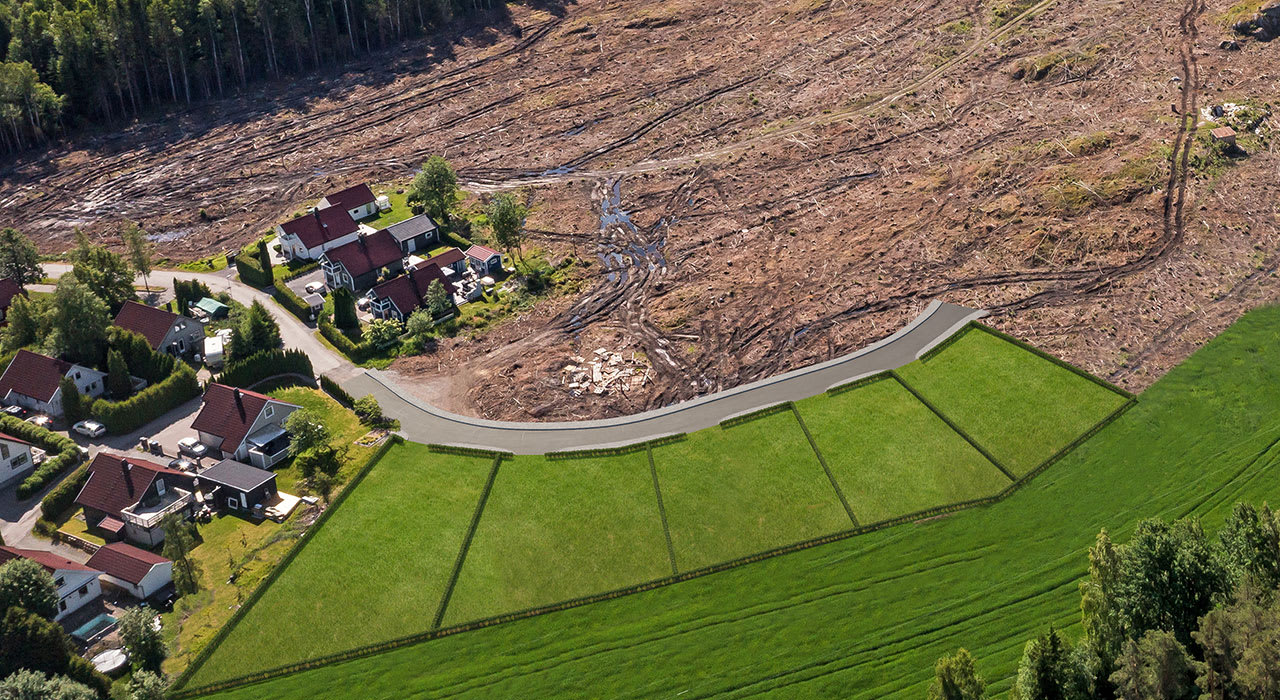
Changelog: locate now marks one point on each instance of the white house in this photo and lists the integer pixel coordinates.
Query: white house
(17, 459)
(137, 571)
(77, 583)
(310, 235)
(244, 425)
(32, 381)
(357, 201)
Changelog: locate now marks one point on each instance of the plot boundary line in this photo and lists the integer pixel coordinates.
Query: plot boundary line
(823, 461)
(951, 424)
(466, 542)
(662, 509)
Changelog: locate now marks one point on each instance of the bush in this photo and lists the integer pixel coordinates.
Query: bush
(47, 472)
(141, 360)
(337, 392)
(148, 404)
(293, 303)
(47, 440)
(57, 501)
(251, 272)
(268, 363)
(356, 352)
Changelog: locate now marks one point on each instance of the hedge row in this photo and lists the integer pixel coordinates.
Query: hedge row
(292, 303)
(858, 383)
(300, 271)
(62, 497)
(466, 542)
(148, 404)
(371, 649)
(615, 451)
(948, 341)
(468, 451)
(62, 451)
(263, 364)
(339, 394)
(356, 352)
(251, 273)
(47, 472)
(279, 568)
(954, 426)
(761, 413)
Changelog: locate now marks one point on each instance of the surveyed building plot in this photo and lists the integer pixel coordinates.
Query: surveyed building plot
(422, 545)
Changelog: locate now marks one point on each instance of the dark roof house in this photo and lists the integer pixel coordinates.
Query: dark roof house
(32, 380)
(237, 475)
(165, 331)
(136, 570)
(399, 297)
(320, 227)
(8, 290)
(415, 233)
(356, 264)
(243, 425)
(116, 482)
(353, 197)
(50, 561)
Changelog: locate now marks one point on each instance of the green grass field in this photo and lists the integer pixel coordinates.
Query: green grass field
(555, 530)
(551, 531)
(891, 455)
(375, 571)
(737, 491)
(1020, 407)
(866, 617)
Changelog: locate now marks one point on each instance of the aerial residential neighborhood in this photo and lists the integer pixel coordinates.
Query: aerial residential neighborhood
(666, 349)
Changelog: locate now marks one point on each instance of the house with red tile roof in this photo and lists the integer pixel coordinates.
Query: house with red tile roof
(307, 237)
(452, 262)
(8, 290)
(243, 425)
(357, 264)
(32, 381)
(165, 331)
(77, 583)
(484, 261)
(136, 571)
(127, 497)
(357, 201)
(397, 298)
(18, 458)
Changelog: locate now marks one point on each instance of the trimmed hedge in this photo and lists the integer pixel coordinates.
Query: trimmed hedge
(279, 568)
(467, 451)
(251, 272)
(1055, 360)
(858, 383)
(63, 453)
(339, 394)
(57, 501)
(761, 413)
(266, 363)
(356, 352)
(615, 451)
(148, 404)
(952, 424)
(300, 271)
(292, 303)
(47, 472)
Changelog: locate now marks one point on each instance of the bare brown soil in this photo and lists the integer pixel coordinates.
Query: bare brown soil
(757, 186)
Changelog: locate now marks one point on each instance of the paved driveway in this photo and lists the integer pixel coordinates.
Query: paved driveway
(299, 284)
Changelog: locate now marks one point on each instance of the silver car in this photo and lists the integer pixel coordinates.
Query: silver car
(192, 447)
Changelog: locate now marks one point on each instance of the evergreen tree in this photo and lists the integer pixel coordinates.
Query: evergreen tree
(264, 259)
(1250, 541)
(1049, 671)
(1241, 649)
(257, 331)
(438, 300)
(19, 258)
(344, 309)
(118, 382)
(1155, 668)
(179, 540)
(73, 403)
(956, 678)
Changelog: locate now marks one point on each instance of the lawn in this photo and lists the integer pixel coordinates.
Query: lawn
(866, 617)
(891, 455)
(1019, 406)
(545, 538)
(399, 210)
(737, 491)
(375, 571)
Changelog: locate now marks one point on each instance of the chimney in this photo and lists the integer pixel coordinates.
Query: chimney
(127, 467)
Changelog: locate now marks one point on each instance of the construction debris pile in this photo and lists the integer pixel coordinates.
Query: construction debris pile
(606, 373)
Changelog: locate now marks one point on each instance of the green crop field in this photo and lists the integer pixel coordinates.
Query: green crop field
(867, 616)
(375, 571)
(1019, 406)
(892, 456)
(556, 530)
(737, 491)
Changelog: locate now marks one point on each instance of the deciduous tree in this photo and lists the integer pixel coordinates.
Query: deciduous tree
(141, 639)
(1156, 667)
(78, 321)
(105, 273)
(26, 584)
(306, 431)
(19, 258)
(506, 218)
(34, 685)
(438, 300)
(956, 678)
(435, 188)
(179, 540)
(144, 685)
(1049, 671)
(135, 241)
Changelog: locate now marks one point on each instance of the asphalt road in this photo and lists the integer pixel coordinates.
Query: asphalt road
(423, 423)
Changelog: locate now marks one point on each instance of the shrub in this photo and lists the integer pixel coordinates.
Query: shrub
(148, 404)
(356, 352)
(251, 272)
(141, 360)
(339, 394)
(47, 472)
(57, 501)
(268, 363)
(344, 309)
(63, 453)
(293, 303)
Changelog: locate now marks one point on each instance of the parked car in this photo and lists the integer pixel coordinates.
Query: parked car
(41, 420)
(192, 447)
(90, 428)
(16, 411)
(316, 287)
(182, 464)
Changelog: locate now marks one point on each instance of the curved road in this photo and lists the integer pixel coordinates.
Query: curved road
(424, 423)
(421, 422)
